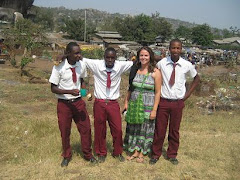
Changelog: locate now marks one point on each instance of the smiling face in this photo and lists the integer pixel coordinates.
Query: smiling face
(175, 50)
(110, 57)
(74, 55)
(144, 57)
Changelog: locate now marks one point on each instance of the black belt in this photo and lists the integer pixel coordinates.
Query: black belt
(70, 100)
(170, 100)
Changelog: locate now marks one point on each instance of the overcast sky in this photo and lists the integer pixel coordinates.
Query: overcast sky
(216, 13)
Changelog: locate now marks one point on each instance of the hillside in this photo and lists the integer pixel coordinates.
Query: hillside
(97, 17)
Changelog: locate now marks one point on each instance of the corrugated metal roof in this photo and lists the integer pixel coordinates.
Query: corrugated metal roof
(228, 40)
(112, 36)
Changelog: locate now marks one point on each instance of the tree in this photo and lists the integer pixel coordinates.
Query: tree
(27, 35)
(75, 29)
(144, 28)
(202, 35)
(183, 32)
(138, 28)
(125, 27)
(235, 31)
(226, 33)
(161, 27)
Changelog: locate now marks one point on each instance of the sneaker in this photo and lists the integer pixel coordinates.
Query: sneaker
(174, 161)
(101, 159)
(65, 162)
(120, 157)
(153, 161)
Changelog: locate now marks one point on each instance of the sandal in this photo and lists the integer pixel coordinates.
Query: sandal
(140, 159)
(129, 158)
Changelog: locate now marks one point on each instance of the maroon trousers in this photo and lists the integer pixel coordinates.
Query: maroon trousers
(167, 111)
(107, 111)
(77, 111)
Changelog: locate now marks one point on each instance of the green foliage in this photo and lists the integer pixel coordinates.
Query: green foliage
(25, 61)
(125, 27)
(93, 53)
(226, 33)
(13, 62)
(75, 29)
(183, 32)
(143, 27)
(202, 35)
(28, 36)
(161, 27)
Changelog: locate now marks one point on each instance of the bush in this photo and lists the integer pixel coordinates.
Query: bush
(93, 53)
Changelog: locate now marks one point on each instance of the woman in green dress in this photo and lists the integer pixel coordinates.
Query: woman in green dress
(145, 78)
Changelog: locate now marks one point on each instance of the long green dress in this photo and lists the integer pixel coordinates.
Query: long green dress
(140, 136)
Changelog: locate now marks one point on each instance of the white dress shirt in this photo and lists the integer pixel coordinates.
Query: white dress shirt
(62, 77)
(99, 71)
(183, 67)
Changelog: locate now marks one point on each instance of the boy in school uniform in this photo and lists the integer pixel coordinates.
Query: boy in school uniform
(107, 77)
(66, 84)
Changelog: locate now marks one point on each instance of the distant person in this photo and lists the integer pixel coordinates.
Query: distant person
(145, 79)
(107, 77)
(66, 84)
(173, 94)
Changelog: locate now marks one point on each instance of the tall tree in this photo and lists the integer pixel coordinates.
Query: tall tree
(202, 35)
(75, 29)
(226, 33)
(161, 27)
(183, 32)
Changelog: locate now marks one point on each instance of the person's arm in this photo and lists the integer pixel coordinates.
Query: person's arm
(126, 100)
(158, 83)
(56, 90)
(83, 84)
(193, 86)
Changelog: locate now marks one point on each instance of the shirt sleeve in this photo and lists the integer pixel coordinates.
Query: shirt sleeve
(126, 65)
(84, 70)
(55, 76)
(192, 71)
(90, 64)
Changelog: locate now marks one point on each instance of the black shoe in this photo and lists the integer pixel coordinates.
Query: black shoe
(153, 161)
(93, 160)
(65, 162)
(101, 159)
(120, 157)
(173, 160)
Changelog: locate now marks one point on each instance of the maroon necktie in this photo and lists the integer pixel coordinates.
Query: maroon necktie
(108, 79)
(74, 76)
(172, 79)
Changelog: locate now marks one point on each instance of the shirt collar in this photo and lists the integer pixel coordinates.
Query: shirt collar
(68, 66)
(179, 62)
(103, 67)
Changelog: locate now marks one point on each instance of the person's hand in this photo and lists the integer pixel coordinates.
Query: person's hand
(125, 108)
(60, 58)
(89, 96)
(153, 115)
(75, 92)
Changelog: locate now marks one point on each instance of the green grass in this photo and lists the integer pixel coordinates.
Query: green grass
(30, 145)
